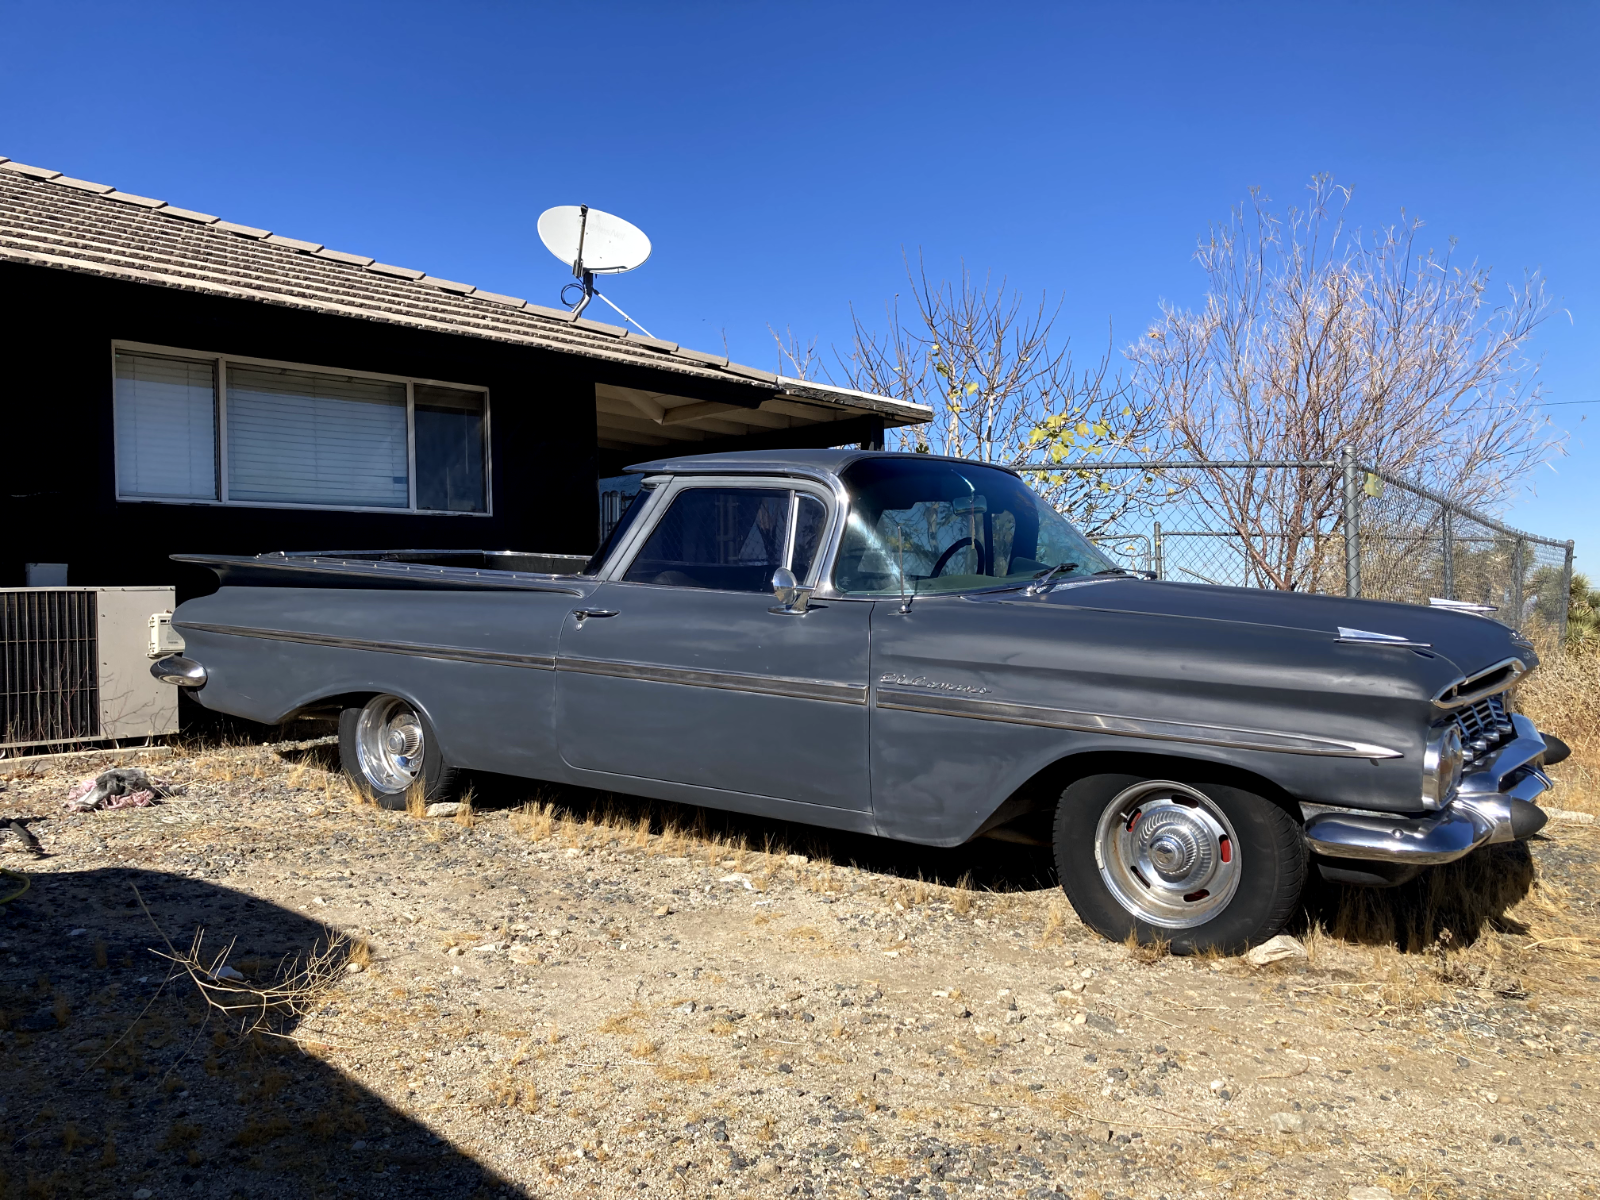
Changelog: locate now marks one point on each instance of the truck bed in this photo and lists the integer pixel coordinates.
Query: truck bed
(406, 569)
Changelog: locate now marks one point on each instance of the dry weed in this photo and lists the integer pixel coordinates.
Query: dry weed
(466, 817)
(300, 984)
(416, 801)
(1560, 698)
(1147, 952)
(961, 897)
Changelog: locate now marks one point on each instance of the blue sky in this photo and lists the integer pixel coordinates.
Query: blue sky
(781, 156)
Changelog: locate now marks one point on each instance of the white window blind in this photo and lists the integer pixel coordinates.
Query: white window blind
(166, 422)
(299, 437)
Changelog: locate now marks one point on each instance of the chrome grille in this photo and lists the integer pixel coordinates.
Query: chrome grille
(1485, 725)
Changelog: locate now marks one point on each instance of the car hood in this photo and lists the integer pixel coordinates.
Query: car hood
(1469, 642)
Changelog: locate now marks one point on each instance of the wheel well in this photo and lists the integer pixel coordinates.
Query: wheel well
(330, 706)
(1030, 807)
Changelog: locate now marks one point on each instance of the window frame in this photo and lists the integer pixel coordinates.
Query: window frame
(220, 364)
(661, 501)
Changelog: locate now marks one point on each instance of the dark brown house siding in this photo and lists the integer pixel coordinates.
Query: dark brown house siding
(58, 500)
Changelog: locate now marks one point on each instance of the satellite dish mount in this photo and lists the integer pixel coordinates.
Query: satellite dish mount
(585, 284)
(592, 243)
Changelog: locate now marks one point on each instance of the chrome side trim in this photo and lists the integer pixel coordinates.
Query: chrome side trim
(730, 681)
(1366, 637)
(1462, 692)
(908, 700)
(467, 654)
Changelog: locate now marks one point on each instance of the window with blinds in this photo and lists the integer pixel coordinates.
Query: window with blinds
(297, 437)
(165, 410)
(204, 429)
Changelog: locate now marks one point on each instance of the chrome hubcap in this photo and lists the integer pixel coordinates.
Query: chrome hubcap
(389, 743)
(1168, 854)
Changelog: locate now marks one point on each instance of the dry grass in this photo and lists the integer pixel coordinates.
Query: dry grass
(466, 816)
(1464, 899)
(1561, 697)
(416, 801)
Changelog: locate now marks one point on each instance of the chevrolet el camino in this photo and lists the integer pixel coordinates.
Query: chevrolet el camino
(918, 648)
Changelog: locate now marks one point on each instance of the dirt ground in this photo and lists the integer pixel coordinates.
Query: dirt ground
(585, 995)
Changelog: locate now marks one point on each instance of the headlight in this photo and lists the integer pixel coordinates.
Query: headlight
(1441, 766)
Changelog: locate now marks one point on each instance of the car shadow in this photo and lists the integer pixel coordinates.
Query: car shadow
(1459, 900)
(1463, 898)
(984, 864)
(116, 1078)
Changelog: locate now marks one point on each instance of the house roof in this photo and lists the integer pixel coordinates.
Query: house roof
(51, 220)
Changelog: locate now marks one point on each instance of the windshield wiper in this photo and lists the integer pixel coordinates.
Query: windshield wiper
(1043, 578)
(1125, 571)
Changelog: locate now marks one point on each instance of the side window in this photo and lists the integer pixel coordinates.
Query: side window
(809, 522)
(727, 539)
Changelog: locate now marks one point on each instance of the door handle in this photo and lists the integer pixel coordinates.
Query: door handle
(583, 614)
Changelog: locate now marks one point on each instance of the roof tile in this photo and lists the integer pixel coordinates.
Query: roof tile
(24, 169)
(600, 327)
(555, 314)
(188, 214)
(83, 185)
(734, 368)
(277, 239)
(398, 272)
(653, 343)
(359, 260)
(249, 231)
(714, 360)
(141, 201)
(514, 301)
(448, 285)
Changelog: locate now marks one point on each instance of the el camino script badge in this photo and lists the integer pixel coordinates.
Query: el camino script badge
(933, 685)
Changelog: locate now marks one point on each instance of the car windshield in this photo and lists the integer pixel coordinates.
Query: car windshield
(951, 527)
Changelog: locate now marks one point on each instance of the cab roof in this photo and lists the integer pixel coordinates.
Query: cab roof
(784, 462)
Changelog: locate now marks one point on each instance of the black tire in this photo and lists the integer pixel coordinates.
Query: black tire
(439, 780)
(1265, 846)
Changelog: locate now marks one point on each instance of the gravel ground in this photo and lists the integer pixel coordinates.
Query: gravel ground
(556, 1000)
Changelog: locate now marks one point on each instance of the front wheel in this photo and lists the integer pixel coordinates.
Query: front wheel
(1199, 865)
(387, 749)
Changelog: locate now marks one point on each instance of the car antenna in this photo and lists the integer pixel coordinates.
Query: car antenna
(900, 545)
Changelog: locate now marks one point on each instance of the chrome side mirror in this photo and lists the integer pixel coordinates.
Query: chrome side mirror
(792, 598)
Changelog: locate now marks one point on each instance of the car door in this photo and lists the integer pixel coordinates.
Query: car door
(683, 668)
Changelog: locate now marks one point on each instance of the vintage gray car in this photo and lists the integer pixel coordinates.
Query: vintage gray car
(914, 647)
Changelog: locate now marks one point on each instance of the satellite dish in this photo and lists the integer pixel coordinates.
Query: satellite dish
(593, 243)
(587, 239)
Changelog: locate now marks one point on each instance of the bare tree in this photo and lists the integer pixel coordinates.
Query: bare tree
(1313, 338)
(1004, 388)
(796, 359)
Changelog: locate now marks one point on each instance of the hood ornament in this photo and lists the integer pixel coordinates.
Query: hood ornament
(1365, 637)
(1465, 606)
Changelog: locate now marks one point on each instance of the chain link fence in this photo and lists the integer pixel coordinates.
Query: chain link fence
(1335, 526)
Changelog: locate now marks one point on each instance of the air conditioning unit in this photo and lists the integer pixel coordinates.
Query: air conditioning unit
(75, 666)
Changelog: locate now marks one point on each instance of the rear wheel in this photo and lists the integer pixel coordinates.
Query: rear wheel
(387, 747)
(1200, 865)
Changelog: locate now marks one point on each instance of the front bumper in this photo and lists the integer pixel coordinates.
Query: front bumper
(1495, 803)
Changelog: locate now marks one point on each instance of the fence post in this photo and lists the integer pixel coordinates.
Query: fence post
(1352, 524)
(1158, 555)
(1516, 583)
(1449, 522)
(1566, 591)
